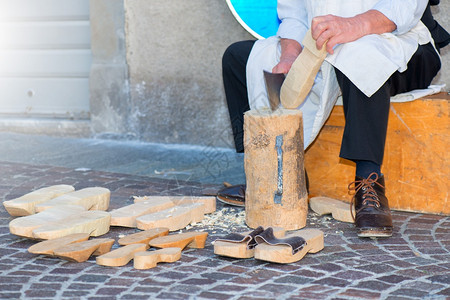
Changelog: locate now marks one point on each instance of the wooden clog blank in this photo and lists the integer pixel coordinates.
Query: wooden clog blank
(126, 216)
(47, 247)
(81, 251)
(92, 198)
(300, 77)
(241, 250)
(24, 226)
(94, 222)
(120, 256)
(149, 259)
(175, 218)
(283, 253)
(339, 210)
(208, 201)
(181, 240)
(25, 205)
(143, 237)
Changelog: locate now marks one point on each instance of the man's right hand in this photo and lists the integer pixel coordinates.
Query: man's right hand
(290, 50)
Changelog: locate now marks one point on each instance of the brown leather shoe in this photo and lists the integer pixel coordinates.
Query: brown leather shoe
(233, 195)
(373, 216)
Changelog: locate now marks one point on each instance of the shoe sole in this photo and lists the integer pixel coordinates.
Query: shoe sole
(375, 232)
(231, 201)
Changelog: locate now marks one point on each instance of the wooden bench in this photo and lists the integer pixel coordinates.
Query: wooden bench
(416, 163)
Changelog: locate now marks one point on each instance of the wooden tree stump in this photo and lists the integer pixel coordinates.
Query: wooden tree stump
(276, 192)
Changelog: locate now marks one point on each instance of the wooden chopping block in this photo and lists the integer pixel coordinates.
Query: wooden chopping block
(126, 216)
(175, 218)
(276, 193)
(208, 201)
(94, 222)
(25, 205)
(24, 226)
(92, 198)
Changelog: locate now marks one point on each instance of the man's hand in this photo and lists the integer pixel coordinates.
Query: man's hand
(290, 49)
(339, 30)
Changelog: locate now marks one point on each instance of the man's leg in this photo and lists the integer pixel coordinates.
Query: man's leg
(234, 62)
(365, 134)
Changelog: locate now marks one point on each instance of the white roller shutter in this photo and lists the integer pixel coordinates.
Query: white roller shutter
(45, 58)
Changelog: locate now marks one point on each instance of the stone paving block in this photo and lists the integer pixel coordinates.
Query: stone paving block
(354, 293)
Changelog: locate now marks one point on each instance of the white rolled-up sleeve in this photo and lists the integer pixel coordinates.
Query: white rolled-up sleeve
(404, 13)
(294, 19)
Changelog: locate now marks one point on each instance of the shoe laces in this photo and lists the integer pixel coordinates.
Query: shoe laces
(370, 197)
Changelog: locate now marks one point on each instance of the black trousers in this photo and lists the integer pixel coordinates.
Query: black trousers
(366, 117)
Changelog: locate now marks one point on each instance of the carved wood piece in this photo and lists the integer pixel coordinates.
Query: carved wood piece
(181, 240)
(143, 237)
(92, 198)
(339, 210)
(121, 256)
(282, 254)
(79, 252)
(149, 259)
(126, 216)
(209, 202)
(25, 205)
(47, 247)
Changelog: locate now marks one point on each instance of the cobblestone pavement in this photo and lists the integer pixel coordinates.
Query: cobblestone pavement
(413, 264)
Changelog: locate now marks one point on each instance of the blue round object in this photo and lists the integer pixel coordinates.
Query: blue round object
(258, 17)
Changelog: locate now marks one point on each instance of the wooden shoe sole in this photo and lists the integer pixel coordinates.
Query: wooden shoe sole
(240, 249)
(283, 254)
(121, 256)
(339, 210)
(149, 259)
(79, 252)
(187, 239)
(47, 247)
(143, 237)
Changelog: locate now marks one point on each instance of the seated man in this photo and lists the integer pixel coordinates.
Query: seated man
(377, 49)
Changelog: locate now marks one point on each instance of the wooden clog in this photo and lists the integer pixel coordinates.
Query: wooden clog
(120, 256)
(281, 251)
(209, 202)
(25, 205)
(339, 210)
(126, 216)
(241, 245)
(94, 222)
(181, 240)
(92, 198)
(149, 259)
(24, 226)
(79, 252)
(175, 218)
(143, 237)
(47, 247)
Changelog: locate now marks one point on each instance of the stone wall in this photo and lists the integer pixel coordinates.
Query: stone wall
(156, 72)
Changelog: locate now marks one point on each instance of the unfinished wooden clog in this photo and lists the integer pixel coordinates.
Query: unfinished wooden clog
(120, 256)
(209, 202)
(25, 205)
(79, 252)
(149, 259)
(94, 222)
(175, 218)
(143, 237)
(241, 245)
(47, 247)
(293, 247)
(339, 210)
(181, 240)
(300, 77)
(126, 216)
(24, 226)
(92, 198)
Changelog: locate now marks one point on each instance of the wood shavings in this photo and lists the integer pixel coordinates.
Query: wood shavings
(226, 218)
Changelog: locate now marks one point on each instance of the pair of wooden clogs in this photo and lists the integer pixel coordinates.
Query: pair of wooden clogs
(270, 244)
(77, 247)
